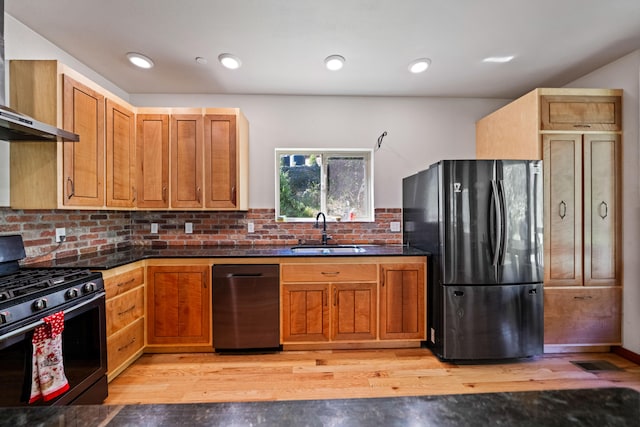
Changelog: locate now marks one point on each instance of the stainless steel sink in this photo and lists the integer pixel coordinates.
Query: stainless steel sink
(327, 249)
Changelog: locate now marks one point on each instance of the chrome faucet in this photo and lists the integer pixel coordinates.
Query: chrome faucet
(325, 238)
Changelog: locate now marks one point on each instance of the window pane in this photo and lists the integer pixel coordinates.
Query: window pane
(300, 178)
(346, 187)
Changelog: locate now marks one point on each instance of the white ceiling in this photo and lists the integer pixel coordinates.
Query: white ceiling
(283, 43)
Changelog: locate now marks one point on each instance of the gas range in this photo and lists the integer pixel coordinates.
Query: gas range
(28, 293)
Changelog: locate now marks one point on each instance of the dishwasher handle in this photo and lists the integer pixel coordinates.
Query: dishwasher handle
(245, 275)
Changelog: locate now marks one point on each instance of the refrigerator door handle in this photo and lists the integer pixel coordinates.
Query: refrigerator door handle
(498, 222)
(503, 223)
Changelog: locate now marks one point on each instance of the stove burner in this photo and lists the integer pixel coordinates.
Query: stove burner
(30, 282)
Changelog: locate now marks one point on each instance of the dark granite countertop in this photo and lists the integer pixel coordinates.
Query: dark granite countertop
(127, 255)
(583, 407)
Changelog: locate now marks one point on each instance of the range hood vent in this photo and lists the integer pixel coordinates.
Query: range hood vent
(15, 126)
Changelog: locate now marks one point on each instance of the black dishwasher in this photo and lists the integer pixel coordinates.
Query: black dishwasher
(246, 307)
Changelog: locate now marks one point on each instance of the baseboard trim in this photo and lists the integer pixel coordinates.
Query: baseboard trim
(627, 354)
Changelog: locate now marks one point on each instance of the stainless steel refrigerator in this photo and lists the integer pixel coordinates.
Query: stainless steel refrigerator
(482, 222)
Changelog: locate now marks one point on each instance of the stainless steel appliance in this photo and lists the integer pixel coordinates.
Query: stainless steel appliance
(246, 307)
(27, 295)
(482, 222)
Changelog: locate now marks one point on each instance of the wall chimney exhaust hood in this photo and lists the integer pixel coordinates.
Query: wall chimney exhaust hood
(15, 126)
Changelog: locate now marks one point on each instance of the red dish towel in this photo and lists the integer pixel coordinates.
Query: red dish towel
(48, 378)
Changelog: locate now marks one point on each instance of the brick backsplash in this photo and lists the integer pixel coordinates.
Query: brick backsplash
(230, 228)
(89, 231)
(86, 231)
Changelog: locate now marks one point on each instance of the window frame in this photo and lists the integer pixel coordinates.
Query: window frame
(367, 154)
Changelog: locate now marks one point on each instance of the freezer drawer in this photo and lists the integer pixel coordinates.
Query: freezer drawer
(246, 307)
(492, 322)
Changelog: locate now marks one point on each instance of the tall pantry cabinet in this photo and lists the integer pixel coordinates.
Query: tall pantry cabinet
(576, 132)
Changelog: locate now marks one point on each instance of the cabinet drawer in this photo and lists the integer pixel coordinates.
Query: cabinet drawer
(124, 309)
(329, 272)
(124, 344)
(121, 283)
(582, 316)
(600, 113)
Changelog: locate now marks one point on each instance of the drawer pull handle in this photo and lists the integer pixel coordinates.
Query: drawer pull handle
(127, 345)
(583, 297)
(330, 273)
(582, 126)
(133, 307)
(133, 279)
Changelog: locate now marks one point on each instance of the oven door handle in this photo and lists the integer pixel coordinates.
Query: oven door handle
(41, 322)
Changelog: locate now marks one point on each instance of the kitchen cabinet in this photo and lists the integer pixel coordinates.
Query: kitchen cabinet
(124, 157)
(186, 160)
(83, 161)
(69, 175)
(120, 155)
(329, 302)
(577, 134)
(179, 306)
(152, 157)
(402, 301)
(124, 288)
(226, 134)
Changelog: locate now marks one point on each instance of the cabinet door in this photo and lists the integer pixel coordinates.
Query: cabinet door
(83, 161)
(354, 311)
(562, 156)
(402, 301)
(305, 312)
(601, 212)
(220, 152)
(178, 304)
(152, 157)
(186, 161)
(121, 155)
(578, 113)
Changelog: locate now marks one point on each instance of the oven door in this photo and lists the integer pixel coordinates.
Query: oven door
(84, 356)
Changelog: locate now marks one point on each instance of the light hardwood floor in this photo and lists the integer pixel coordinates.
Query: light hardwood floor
(300, 375)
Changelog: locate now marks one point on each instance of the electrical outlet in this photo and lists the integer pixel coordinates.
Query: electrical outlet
(251, 228)
(395, 226)
(188, 227)
(154, 228)
(61, 234)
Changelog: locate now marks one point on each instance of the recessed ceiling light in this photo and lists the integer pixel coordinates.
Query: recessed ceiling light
(229, 61)
(498, 59)
(419, 65)
(334, 62)
(140, 60)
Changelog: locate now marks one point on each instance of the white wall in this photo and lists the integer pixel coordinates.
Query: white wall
(625, 74)
(420, 131)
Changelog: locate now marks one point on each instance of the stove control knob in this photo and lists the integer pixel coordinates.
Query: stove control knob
(88, 287)
(72, 293)
(40, 304)
(5, 316)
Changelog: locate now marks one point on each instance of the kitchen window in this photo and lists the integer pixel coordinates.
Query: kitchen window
(338, 182)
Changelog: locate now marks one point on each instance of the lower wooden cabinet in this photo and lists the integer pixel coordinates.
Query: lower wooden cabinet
(583, 316)
(402, 301)
(124, 288)
(305, 312)
(179, 305)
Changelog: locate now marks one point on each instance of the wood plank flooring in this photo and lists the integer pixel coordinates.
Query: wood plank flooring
(301, 375)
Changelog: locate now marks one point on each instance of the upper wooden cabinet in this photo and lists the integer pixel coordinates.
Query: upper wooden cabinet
(152, 158)
(514, 131)
(580, 113)
(121, 155)
(226, 153)
(186, 160)
(127, 157)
